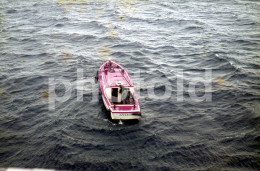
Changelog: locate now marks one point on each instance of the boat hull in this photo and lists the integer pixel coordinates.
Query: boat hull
(119, 105)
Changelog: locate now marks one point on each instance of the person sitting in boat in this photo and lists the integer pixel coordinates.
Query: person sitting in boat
(126, 94)
(111, 69)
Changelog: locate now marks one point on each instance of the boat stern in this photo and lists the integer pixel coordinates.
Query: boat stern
(125, 116)
(125, 112)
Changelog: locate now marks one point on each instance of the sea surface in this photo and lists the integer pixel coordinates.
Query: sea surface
(207, 48)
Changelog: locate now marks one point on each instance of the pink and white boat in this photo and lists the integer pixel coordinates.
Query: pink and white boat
(118, 92)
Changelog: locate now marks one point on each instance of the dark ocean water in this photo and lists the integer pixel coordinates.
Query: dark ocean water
(156, 39)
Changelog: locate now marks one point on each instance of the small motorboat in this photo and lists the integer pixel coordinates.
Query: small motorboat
(118, 92)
